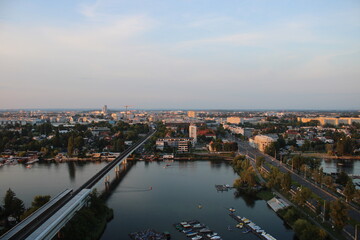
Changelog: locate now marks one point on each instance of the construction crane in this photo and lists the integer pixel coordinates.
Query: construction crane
(126, 111)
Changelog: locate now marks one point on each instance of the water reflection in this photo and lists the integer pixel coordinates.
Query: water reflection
(339, 165)
(72, 170)
(176, 194)
(248, 199)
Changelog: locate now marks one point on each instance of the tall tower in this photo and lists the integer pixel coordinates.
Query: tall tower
(193, 132)
(104, 110)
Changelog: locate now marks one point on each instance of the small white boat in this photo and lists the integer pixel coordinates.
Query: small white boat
(197, 237)
(232, 209)
(215, 237)
(32, 161)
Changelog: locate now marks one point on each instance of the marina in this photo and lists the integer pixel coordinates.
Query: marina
(196, 230)
(251, 227)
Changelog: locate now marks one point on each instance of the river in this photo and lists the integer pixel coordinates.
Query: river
(176, 192)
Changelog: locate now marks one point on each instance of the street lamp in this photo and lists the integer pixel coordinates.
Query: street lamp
(356, 234)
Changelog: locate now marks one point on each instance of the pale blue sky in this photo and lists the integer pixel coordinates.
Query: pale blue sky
(180, 54)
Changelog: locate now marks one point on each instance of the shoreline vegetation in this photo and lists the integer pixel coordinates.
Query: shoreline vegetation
(248, 184)
(327, 156)
(90, 222)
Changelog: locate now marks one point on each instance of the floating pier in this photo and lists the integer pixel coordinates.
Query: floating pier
(149, 234)
(224, 187)
(252, 227)
(195, 230)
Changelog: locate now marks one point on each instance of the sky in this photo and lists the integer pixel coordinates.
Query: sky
(180, 54)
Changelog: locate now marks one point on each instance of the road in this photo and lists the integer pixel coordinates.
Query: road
(246, 149)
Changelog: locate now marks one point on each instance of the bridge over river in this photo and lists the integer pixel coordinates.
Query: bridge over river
(47, 221)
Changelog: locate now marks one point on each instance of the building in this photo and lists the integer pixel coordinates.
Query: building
(208, 133)
(193, 133)
(247, 132)
(191, 114)
(97, 131)
(181, 144)
(233, 120)
(104, 109)
(262, 141)
(331, 120)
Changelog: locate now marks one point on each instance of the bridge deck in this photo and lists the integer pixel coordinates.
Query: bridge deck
(63, 209)
(56, 221)
(12, 233)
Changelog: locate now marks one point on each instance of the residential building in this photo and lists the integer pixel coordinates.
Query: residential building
(193, 133)
(262, 141)
(330, 120)
(104, 109)
(191, 114)
(181, 144)
(233, 120)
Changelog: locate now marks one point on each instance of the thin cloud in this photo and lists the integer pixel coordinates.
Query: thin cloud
(243, 39)
(90, 10)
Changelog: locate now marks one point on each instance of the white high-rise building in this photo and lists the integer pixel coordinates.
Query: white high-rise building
(104, 110)
(193, 133)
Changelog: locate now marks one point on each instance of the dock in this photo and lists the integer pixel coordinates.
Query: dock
(221, 188)
(277, 203)
(149, 234)
(252, 227)
(195, 230)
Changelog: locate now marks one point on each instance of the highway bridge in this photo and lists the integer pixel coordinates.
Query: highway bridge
(46, 222)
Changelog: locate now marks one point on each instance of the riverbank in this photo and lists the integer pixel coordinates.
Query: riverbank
(327, 156)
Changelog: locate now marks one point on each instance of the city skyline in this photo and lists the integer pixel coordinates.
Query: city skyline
(180, 55)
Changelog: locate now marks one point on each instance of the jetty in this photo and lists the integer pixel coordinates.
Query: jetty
(277, 203)
(195, 230)
(252, 227)
(224, 187)
(149, 234)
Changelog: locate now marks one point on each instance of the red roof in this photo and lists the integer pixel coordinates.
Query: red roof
(206, 132)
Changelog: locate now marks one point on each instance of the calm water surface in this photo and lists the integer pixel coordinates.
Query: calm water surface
(349, 166)
(176, 193)
(45, 178)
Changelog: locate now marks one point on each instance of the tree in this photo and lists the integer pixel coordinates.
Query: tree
(297, 162)
(302, 195)
(40, 200)
(286, 182)
(271, 149)
(70, 147)
(291, 215)
(248, 177)
(37, 203)
(259, 161)
(12, 205)
(56, 139)
(349, 191)
(343, 178)
(79, 142)
(339, 213)
(305, 230)
(344, 146)
(329, 182)
(274, 177)
(318, 175)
